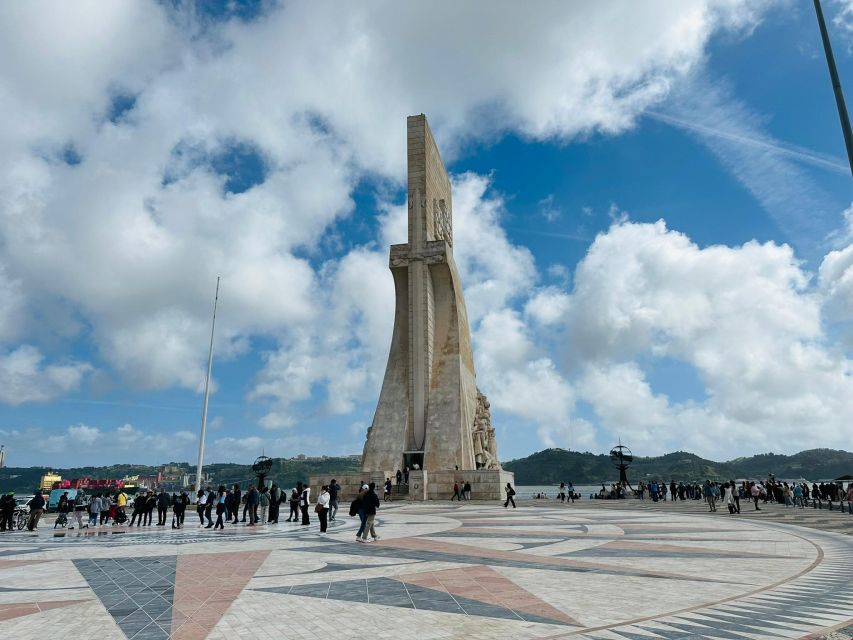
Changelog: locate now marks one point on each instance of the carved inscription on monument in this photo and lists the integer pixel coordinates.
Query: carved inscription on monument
(441, 222)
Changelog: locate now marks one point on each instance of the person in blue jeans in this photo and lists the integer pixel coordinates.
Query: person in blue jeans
(362, 513)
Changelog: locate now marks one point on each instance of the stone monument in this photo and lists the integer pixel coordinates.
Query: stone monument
(431, 416)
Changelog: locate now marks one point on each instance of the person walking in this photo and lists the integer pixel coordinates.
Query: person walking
(322, 508)
(94, 510)
(138, 509)
(755, 492)
(371, 504)
(357, 509)
(304, 501)
(334, 492)
(220, 508)
(708, 492)
(264, 502)
(275, 502)
(466, 490)
(456, 495)
(387, 493)
(294, 503)
(399, 477)
(510, 492)
(162, 508)
(179, 508)
(209, 504)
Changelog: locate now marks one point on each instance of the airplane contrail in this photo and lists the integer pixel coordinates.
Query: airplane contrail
(793, 151)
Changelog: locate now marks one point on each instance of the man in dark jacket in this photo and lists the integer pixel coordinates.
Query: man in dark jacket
(252, 505)
(236, 497)
(138, 509)
(7, 511)
(150, 505)
(370, 503)
(36, 509)
(294, 503)
(162, 508)
(275, 499)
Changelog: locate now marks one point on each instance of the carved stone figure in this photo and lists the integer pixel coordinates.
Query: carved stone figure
(483, 436)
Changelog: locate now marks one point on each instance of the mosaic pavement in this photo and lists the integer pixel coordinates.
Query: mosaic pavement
(472, 571)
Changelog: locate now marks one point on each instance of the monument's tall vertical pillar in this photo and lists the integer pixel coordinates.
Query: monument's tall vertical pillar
(429, 407)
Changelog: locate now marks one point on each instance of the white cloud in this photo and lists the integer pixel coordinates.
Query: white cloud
(746, 319)
(547, 209)
(25, 378)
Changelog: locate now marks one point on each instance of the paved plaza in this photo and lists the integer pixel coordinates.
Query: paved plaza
(473, 571)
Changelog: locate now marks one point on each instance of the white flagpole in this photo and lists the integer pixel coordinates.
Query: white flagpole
(200, 465)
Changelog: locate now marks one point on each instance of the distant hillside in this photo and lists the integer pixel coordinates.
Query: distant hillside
(550, 466)
(558, 465)
(284, 471)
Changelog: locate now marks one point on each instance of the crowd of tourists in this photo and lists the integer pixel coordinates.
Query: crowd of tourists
(228, 505)
(795, 494)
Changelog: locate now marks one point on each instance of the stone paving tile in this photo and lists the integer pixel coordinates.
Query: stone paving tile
(472, 571)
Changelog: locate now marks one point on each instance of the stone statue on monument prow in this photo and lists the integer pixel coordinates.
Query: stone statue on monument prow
(430, 410)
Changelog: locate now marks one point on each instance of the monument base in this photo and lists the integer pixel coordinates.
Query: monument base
(486, 484)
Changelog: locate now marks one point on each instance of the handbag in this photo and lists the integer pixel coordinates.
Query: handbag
(318, 508)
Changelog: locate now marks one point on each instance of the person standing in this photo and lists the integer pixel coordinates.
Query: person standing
(80, 508)
(334, 492)
(323, 509)
(275, 501)
(264, 502)
(220, 508)
(466, 490)
(387, 492)
(179, 508)
(121, 506)
(571, 492)
(36, 509)
(150, 505)
(252, 505)
(399, 477)
(106, 505)
(162, 508)
(7, 509)
(294, 503)
(510, 492)
(201, 500)
(371, 504)
(304, 501)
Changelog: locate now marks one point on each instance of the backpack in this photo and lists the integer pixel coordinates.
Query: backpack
(354, 505)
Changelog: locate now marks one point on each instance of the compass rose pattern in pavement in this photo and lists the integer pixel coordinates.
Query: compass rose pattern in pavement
(463, 571)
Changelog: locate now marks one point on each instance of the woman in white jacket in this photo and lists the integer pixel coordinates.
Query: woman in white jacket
(323, 508)
(729, 497)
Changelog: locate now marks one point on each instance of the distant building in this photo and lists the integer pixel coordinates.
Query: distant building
(2, 456)
(48, 479)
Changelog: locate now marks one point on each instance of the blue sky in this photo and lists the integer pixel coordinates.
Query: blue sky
(651, 207)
